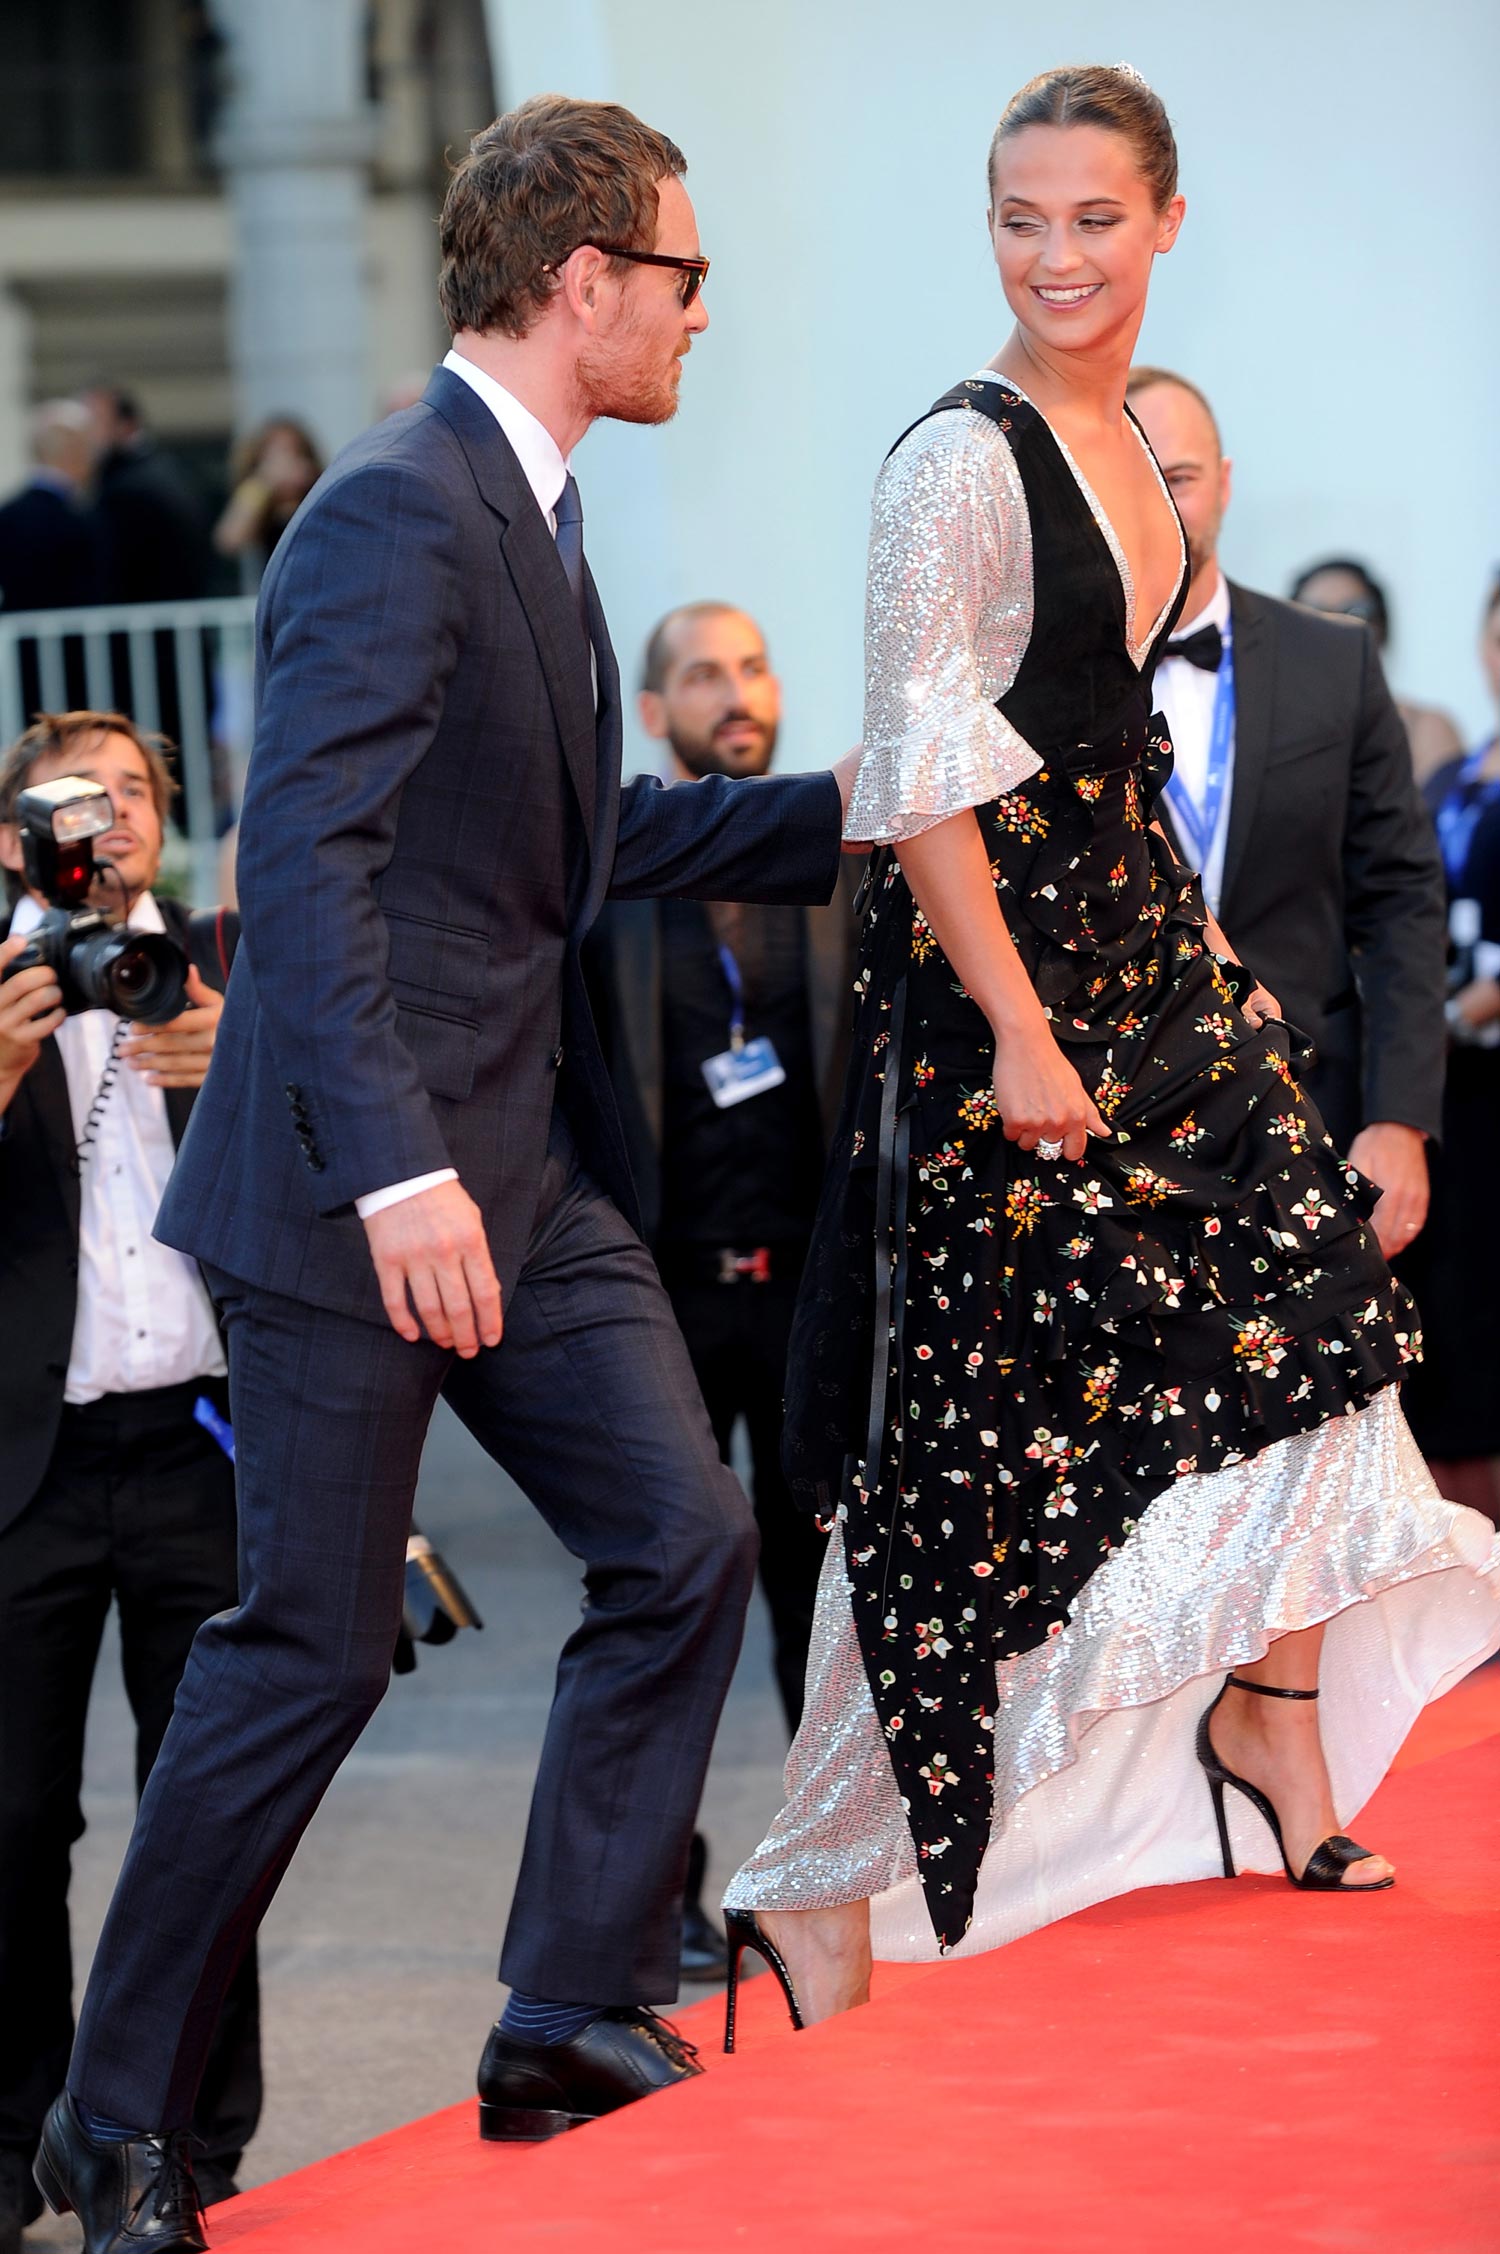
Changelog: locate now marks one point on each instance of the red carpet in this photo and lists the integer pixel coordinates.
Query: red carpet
(1229, 2064)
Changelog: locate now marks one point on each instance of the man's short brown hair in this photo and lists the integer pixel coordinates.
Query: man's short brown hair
(1146, 379)
(52, 735)
(535, 186)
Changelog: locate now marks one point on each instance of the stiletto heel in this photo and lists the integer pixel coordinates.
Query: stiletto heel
(742, 1931)
(1326, 1865)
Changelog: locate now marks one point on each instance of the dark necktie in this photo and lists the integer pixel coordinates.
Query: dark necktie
(569, 516)
(1203, 649)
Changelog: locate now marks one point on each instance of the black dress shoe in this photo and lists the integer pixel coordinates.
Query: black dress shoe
(20, 2201)
(528, 2091)
(704, 1955)
(134, 2198)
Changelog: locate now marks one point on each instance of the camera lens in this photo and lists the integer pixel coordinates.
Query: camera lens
(138, 974)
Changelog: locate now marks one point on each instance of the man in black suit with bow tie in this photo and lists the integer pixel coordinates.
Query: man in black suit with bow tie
(1292, 795)
(406, 1175)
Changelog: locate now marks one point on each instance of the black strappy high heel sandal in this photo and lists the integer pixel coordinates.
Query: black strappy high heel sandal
(742, 1931)
(1329, 1860)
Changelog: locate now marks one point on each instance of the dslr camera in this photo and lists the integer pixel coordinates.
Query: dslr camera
(98, 962)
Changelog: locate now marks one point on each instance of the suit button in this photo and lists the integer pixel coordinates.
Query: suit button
(315, 1162)
(557, 1058)
(294, 1091)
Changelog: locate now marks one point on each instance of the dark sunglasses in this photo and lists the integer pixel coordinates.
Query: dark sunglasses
(694, 271)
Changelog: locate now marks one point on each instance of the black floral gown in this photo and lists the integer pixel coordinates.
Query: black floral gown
(1066, 1341)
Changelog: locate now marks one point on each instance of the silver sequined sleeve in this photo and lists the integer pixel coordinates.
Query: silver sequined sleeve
(947, 619)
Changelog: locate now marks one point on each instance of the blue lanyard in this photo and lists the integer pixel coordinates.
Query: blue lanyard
(1458, 817)
(1199, 823)
(736, 985)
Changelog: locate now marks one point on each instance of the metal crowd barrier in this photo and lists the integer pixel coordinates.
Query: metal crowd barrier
(185, 668)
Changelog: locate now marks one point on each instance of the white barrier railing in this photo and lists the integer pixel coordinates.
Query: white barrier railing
(187, 668)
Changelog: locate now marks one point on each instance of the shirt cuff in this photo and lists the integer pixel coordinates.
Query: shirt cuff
(376, 1201)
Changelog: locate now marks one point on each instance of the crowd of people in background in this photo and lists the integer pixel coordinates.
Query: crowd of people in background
(108, 514)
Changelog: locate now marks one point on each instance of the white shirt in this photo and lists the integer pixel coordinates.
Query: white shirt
(546, 472)
(144, 1316)
(1185, 695)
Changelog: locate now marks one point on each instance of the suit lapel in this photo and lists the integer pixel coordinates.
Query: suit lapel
(1254, 695)
(530, 556)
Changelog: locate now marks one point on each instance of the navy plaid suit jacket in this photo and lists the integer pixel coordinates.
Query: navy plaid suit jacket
(433, 818)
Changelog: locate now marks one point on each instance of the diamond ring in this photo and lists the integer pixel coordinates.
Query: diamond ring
(1044, 1149)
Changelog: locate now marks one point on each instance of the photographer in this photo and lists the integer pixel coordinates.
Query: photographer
(110, 1490)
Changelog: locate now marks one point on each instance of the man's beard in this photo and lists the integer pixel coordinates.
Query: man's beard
(705, 758)
(616, 387)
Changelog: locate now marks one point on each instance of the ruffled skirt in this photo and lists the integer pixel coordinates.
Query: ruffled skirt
(1097, 1787)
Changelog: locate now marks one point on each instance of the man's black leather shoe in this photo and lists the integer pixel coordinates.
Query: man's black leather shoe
(704, 1955)
(135, 2198)
(532, 2090)
(20, 2201)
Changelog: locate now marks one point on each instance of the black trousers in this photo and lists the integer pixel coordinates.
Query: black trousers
(590, 1404)
(137, 1509)
(737, 1335)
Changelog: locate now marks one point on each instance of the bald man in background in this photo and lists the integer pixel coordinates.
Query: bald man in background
(1292, 795)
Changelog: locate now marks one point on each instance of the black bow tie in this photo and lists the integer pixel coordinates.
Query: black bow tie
(1205, 648)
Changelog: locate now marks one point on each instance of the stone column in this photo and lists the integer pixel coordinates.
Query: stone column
(296, 148)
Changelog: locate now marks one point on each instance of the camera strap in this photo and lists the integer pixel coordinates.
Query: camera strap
(107, 1080)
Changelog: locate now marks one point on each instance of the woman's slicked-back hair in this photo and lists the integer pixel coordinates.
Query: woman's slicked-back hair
(1111, 95)
(535, 186)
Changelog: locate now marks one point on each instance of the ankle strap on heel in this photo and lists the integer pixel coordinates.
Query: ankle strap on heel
(1265, 1690)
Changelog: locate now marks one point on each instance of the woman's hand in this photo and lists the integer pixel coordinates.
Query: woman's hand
(1041, 1098)
(1259, 1005)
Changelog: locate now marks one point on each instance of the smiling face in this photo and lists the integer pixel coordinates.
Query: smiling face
(630, 366)
(1076, 230)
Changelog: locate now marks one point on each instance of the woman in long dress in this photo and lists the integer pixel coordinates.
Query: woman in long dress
(1096, 1365)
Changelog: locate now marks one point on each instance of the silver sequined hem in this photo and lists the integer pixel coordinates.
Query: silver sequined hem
(1098, 1788)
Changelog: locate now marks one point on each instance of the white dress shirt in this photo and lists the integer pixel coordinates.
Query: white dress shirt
(546, 472)
(144, 1316)
(1185, 695)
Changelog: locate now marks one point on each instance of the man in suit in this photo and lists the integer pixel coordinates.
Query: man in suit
(156, 541)
(407, 1175)
(1293, 796)
(110, 1490)
(50, 555)
(728, 1190)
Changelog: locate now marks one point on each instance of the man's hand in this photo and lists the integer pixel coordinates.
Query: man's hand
(844, 772)
(175, 1055)
(1396, 1162)
(30, 1012)
(431, 1253)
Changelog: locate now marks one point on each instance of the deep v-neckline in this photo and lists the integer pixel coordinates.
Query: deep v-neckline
(1138, 652)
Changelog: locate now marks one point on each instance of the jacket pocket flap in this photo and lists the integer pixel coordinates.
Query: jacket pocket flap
(434, 959)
